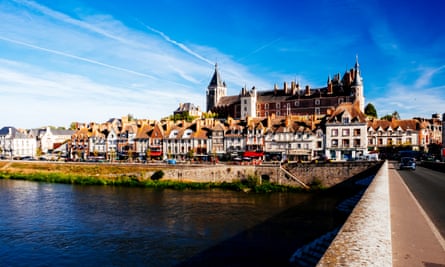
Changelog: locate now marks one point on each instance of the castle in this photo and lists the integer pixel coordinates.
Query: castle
(289, 100)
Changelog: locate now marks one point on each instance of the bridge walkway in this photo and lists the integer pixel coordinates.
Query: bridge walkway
(415, 240)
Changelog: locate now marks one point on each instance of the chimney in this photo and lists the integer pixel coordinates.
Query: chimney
(308, 90)
(285, 88)
(330, 89)
(293, 88)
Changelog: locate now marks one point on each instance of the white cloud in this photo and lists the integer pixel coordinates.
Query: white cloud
(426, 76)
(410, 102)
(93, 67)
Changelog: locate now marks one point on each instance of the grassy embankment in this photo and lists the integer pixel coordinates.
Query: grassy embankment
(123, 175)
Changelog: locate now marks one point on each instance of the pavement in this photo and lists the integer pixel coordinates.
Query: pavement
(414, 238)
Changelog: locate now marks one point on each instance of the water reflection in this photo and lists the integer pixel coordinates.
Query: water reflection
(53, 224)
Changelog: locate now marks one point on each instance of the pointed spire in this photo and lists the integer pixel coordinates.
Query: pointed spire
(357, 79)
(216, 79)
(356, 62)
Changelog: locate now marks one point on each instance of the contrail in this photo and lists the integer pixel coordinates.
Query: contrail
(178, 44)
(67, 19)
(259, 49)
(60, 53)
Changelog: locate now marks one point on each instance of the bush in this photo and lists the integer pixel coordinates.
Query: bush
(157, 175)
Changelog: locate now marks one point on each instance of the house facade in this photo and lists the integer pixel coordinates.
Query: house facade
(16, 143)
(53, 138)
(346, 133)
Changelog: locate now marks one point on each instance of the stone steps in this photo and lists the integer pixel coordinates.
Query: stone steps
(310, 254)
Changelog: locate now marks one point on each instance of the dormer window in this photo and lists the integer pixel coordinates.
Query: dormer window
(345, 119)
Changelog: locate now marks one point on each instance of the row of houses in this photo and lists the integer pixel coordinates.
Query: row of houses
(18, 143)
(344, 133)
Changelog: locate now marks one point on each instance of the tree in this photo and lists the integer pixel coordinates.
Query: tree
(387, 117)
(395, 115)
(370, 110)
(209, 115)
(131, 117)
(73, 126)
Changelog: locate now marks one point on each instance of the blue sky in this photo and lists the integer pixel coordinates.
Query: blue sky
(80, 60)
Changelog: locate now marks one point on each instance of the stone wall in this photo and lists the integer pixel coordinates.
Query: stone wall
(326, 174)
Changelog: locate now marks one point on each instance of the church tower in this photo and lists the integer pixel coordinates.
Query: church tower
(215, 90)
(357, 86)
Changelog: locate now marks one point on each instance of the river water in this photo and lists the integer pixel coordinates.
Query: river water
(45, 224)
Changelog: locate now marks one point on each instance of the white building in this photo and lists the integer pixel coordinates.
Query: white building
(346, 136)
(396, 133)
(17, 144)
(53, 138)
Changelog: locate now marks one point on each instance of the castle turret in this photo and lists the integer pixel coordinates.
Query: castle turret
(357, 87)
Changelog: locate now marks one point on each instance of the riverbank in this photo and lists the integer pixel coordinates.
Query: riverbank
(134, 175)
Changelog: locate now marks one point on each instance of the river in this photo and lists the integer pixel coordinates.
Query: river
(45, 224)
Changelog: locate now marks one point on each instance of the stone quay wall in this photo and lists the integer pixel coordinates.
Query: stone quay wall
(294, 174)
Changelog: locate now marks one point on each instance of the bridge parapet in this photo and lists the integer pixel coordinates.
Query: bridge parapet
(365, 238)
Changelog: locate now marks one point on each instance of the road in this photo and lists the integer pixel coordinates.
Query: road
(428, 187)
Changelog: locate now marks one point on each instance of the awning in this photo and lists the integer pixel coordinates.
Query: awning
(253, 154)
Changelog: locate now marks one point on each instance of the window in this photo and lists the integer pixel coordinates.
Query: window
(317, 111)
(345, 143)
(334, 143)
(266, 106)
(356, 142)
(345, 132)
(278, 105)
(357, 132)
(297, 103)
(319, 144)
(317, 102)
(334, 132)
(278, 113)
(345, 119)
(340, 100)
(245, 101)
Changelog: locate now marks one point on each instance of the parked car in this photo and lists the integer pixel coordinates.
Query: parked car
(407, 163)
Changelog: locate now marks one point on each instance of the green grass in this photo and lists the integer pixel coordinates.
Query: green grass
(249, 185)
